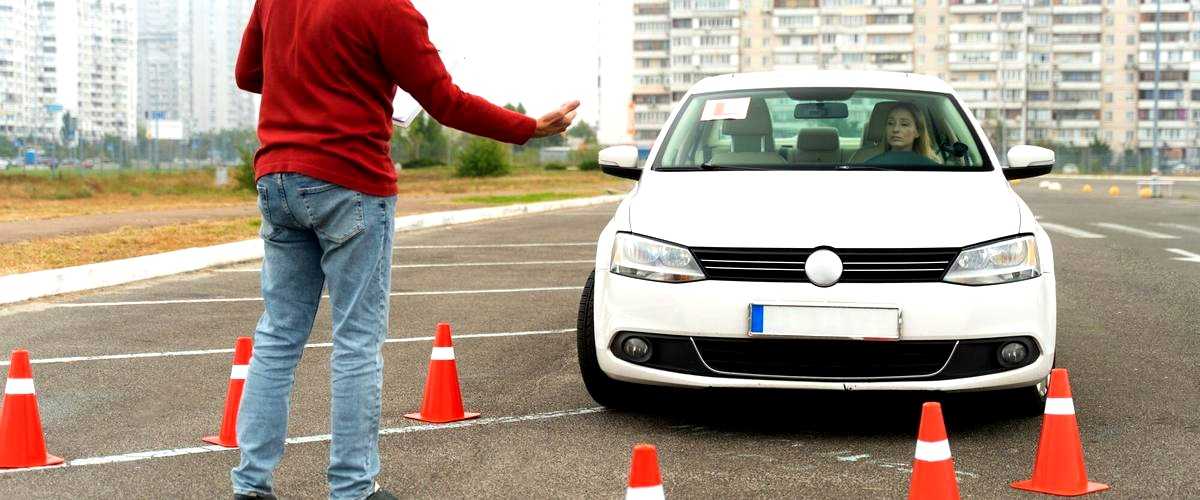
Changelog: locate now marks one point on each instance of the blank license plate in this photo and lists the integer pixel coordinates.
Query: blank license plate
(866, 322)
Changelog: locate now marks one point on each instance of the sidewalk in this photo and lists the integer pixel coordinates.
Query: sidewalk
(13, 232)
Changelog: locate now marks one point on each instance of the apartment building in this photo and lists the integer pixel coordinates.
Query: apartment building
(164, 54)
(59, 56)
(1033, 71)
(216, 35)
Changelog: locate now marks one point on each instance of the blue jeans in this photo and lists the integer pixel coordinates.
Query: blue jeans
(317, 234)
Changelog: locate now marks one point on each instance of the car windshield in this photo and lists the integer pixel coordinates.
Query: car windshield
(821, 129)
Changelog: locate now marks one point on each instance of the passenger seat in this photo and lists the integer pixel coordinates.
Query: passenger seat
(818, 146)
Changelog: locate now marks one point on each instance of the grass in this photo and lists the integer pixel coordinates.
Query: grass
(52, 253)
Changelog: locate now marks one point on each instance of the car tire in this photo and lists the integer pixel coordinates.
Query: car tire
(603, 389)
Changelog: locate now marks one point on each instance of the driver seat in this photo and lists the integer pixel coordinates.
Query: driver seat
(873, 142)
(754, 134)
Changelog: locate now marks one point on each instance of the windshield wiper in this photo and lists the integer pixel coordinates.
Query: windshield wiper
(860, 167)
(709, 165)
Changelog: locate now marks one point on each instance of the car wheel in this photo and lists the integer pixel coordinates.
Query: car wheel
(606, 391)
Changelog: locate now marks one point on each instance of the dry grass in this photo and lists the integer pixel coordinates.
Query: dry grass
(52, 253)
(523, 180)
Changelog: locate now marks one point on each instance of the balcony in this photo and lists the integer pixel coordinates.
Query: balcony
(1077, 28)
(888, 29)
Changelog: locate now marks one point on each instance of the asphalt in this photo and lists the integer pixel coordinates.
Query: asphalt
(1127, 332)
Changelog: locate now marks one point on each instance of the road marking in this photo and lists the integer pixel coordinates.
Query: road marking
(1180, 227)
(259, 299)
(459, 264)
(498, 245)
(1135, 231)
(202, 352)
(195, 450)
(1187, 256)
(1069, 231)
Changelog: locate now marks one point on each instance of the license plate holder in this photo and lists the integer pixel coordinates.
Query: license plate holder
(821, 320)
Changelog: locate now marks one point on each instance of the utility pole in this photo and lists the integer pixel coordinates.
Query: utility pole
(1154, 153)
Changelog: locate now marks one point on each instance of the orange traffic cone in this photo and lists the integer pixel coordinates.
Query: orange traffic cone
(645, 483)
(21, 441)
(1058, 468)
(233, 396)
(933, 468)
(443, 399)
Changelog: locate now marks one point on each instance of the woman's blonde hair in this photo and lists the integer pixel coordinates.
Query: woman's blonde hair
(923, 144)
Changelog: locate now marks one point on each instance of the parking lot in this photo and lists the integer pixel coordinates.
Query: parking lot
(130, 378)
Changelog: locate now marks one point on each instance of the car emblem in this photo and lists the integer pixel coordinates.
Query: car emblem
(823, 268)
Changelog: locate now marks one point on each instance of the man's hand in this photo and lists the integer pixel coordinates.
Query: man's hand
(557, 121)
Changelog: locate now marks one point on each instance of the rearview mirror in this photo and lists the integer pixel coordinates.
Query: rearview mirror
(620, 161)
(1028, 161)
(818, 110)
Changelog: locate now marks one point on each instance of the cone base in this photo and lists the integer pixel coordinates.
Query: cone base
(417, 416)
(217, 441)
(1091, 487)
(50, 460)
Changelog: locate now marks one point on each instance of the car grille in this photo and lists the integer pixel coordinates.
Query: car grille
(824, 359)
(859, 265)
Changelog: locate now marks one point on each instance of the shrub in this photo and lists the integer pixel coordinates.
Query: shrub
(589, 164)
(587, 159)
(243, 173)
(554, 166)
(422, 163)
(483, 158)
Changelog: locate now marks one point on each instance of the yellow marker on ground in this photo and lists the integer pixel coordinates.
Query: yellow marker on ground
(1016, 182)
(1087, 188)
(1145, 192)
(1114, 191)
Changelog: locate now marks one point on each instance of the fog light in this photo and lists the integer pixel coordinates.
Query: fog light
(1013, 354)
(636, 349)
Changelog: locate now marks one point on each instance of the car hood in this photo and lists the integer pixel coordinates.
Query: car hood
(841, 209)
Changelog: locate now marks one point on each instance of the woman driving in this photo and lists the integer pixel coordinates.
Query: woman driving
(906, 138)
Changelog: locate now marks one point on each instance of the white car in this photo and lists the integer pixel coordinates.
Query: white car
(821, 230)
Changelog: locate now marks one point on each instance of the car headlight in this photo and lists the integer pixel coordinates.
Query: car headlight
(1000, 262)
(654, 260)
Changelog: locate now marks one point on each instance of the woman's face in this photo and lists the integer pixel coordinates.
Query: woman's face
(901, 129)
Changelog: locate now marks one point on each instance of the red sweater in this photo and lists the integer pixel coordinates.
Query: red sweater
(328, 70)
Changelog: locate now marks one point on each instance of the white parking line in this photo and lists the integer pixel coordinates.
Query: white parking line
(259, 299)
(1135, 231)
(1187, 256)
(497, 245)
(148, 455)
(202, 352)
(1181, 227)
(1069, 231)
(453, 264)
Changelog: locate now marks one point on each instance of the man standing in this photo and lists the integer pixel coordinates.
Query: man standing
(327, 71)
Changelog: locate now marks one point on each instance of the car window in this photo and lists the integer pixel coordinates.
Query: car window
(808, 128)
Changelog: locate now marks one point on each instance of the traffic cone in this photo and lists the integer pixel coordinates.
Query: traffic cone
(443, 399)
(1114, 191)
(933, 468)
(1058, 468)
(21, 441)
(1087, 188)
(233, 396)
(645, 482)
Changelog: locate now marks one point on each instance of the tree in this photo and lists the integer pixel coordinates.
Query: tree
(7, 148)
(583, 131)
(1099, 153)
(69, 126)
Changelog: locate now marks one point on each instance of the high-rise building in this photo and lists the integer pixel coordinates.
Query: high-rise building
(215, 36)
(1033, 71)
(67, 56)
(164, 60)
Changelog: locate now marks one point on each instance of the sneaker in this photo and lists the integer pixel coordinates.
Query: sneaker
(381, 494)
(254, 496)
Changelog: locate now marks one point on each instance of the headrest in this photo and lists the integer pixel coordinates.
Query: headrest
(873, 132)
(757, 121)
(818, 139)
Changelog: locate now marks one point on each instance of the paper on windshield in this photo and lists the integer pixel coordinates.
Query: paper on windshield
(726, 109)
(405, 109)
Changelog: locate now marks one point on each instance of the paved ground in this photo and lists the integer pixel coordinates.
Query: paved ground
(1127, 331)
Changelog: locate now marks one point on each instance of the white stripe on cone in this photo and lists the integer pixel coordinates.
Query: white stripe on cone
(645, 493)
(1060, 406)
(238, 372)
(442, 354)
(933, 451)
(18, 386)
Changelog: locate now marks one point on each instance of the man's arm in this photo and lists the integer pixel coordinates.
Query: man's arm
(402, 38)
(249, 70)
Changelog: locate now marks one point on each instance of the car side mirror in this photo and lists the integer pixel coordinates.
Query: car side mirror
(620, 161)
(1028, 161)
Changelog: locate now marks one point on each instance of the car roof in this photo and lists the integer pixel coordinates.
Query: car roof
(822, 78)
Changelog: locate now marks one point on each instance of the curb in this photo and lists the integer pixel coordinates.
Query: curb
(1119, 177)
(22, 287)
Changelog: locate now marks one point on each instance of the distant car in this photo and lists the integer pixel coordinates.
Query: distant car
(1070, 169)
(883, 262)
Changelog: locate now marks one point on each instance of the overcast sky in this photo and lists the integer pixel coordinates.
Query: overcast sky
(541, 53)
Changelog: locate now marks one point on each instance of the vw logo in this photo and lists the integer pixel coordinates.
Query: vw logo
(823, 268)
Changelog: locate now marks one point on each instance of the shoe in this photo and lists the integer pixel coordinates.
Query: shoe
(381, 494)
(254, 496)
